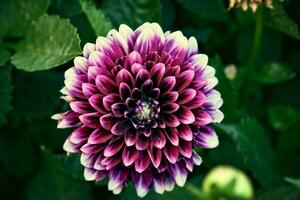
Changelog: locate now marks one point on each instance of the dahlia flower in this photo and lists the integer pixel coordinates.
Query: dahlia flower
(253, 4)
(140, 100)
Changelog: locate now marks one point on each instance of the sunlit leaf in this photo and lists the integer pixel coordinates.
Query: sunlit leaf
(50, 42)
(281, 116)
(213, 10)
(16, 15)
(19, 159)
(254, 146)
(36, 95)
(132, 12)
(99, 22)
(4, 56)
(295, 182)
(5, 92)
(278, 19)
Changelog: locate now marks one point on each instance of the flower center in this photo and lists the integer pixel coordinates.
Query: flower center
(144, 110)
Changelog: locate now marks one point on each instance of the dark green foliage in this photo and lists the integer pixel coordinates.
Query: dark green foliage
(260, 134)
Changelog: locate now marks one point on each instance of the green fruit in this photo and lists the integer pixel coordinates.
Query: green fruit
(225, 182)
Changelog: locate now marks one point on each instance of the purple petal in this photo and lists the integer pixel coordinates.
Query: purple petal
(158, 139)
(172, 136)
(142, 143)
(105, 85)
(99, 135)
(155, 155)
(129, 156)
(197, 160)
(185, 115)
(170, 107)
(198, 101)
(100, 60)
(67, 119)
(93, 72)
(124, 76)
(172, 153)
(118, 109)
(117, 177)
(96, 101)
(90, 174)
(100, 175)
(167, 84)
(80, 107)
(158, 183)
(89, 90)
(185, 132)
(121, 127)
(143, 162)
(185, 148)
(131, 137)
(111, 162)
(124, 91)
(202, 117)
(133, 57)
(80, 65)
(157, 72)
(171, 120)
(186, 96)
(91, 148)
(70, 147)
(206, 137)
(97, 164)
(169, 96)
(109, 100)
(169, 184)
(136, 67)
(179, 172)
(90, 119)
(142, 182)
(108, 121)
(113, 147)
(147, 86)
(80, 135)
(141, 77)
(88, 160)
(88, 49)
(184, 79)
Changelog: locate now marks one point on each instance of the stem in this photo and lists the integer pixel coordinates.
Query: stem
(195, 191)
(253, 53)
(257, 39)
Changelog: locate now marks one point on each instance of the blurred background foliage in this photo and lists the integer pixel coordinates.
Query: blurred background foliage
(257, 59)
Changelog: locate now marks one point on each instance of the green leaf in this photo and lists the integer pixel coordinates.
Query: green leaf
(295, 182)
(50, 42)
(99, 22)
(132, 12)
(5, 92)
(69, 164)
(36, 95)
(64, 9)
(254, 146)
(189, 191)
(273, 73)
(19, 159)
(16, 15)
(52, 184)
(228, 92)
(281, 116)
(4, 56)
(283, 192)
(213, 10)
(278, 19)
